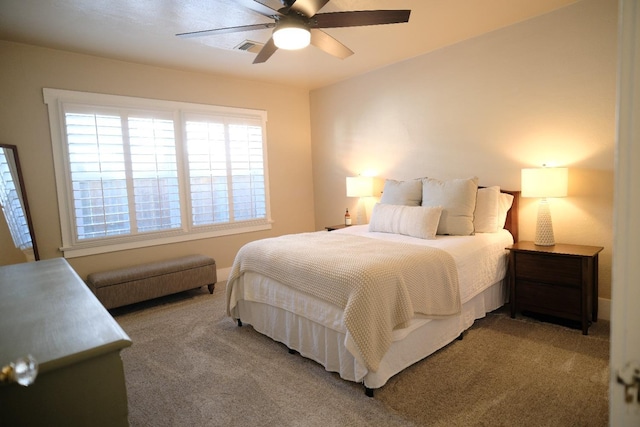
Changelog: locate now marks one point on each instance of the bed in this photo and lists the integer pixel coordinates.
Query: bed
(283, 288)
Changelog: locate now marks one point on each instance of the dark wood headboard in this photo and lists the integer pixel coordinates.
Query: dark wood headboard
(511, 223)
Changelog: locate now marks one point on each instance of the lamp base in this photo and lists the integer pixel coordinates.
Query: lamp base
(544, 227)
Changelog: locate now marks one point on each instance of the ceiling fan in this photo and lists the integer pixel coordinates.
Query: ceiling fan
(298, 23)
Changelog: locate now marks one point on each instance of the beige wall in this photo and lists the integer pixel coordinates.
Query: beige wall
(541, 91)
(9, 254)
(25, 70)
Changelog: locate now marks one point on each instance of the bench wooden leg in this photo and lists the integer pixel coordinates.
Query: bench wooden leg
(211, 286)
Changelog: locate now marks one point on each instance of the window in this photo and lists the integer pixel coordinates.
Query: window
(135, 172)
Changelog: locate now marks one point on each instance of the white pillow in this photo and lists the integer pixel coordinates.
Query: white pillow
(505, 202)
(407, 193)
(415, 221)
(458, 200)
(485, 217)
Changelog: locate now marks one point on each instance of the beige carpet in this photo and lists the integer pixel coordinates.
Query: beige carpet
(191, 366)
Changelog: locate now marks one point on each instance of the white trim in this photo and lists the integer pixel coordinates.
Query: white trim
(624, 404)
(604, 309)
(223, 274)
(118, 101)
(74, 252)
(57, 137)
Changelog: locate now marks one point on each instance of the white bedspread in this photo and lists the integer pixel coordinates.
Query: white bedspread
(380, 285)
(481, 259)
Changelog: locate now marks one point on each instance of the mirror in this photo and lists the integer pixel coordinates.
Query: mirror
(17, 239)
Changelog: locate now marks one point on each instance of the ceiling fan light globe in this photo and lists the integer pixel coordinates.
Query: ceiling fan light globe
(291, 38)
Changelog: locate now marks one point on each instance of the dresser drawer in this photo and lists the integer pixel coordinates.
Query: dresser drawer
(549, 299)
(549, 269)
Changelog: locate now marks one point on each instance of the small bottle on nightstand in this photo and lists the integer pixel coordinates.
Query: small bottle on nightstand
(347, 218)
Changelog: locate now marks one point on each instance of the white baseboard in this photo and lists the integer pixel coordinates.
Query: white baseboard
(604, 309)
(222, 274)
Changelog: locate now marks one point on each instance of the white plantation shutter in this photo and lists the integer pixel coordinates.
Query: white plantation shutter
(134, 172)
(98, 176)
(247, 171)
(123, 173)
(226, 166)
(207, 148)
(154, 170)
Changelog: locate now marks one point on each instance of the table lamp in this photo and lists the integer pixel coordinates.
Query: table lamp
(544, 183)
(361, 186)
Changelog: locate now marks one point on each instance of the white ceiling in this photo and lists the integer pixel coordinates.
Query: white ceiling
(144, 31)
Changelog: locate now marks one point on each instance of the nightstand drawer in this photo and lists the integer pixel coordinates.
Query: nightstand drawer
(549, 299)
(549, 269)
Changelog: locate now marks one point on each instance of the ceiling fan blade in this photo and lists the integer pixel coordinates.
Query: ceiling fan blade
(227, 30)
(359, 18)
(308, 7)
(265, 53)
(328, 44)
(264, 7)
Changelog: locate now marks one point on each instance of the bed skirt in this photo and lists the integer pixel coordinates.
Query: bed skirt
(329, 344)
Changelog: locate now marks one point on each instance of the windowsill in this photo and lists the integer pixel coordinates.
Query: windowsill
(80, 251)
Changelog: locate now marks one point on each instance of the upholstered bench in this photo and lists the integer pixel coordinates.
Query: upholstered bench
(115, 288)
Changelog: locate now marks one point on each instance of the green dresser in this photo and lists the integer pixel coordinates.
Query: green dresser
(47, 311)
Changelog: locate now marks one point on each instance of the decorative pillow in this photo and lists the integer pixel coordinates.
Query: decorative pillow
(485, 217)
(415, 221)
(458, 200)
(504, 204)
(408, 193)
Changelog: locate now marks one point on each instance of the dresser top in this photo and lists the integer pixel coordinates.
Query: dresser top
(47, 311)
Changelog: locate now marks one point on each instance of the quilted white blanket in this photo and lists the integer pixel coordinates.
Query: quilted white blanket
(380, 285)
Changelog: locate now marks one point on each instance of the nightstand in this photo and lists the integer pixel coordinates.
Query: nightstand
(336, 227)
(559, 281)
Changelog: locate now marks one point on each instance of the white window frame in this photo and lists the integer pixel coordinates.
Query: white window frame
(71, 247)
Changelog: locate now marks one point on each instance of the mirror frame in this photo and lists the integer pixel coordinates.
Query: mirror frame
(23, 195)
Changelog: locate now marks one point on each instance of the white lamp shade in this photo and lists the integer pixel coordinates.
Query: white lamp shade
(360, 186)
(545, 182)
(291, 37)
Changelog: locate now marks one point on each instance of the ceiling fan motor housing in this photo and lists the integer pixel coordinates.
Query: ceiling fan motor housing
(292, 32)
